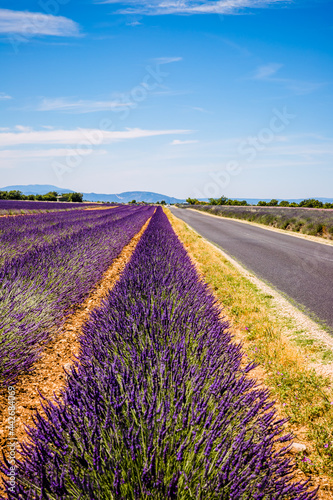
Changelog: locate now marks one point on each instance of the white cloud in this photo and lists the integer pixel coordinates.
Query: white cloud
(134, 23)
(161, 7)
(177, 142)
(23, 128)
(79, 106)
(21, 154)
(4, 97)
(29, 24)
(94, 137)
(265, 72)
(166, 60)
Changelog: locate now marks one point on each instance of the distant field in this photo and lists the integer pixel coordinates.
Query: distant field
(9, 207)
(313, 221)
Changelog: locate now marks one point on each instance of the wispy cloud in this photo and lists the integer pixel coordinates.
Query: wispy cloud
(79, 136)
(4, 97)
(26, 154)
(177, 142)
(28, 24)
(166, 60)
(161, 7)
(79, 106)
(267, 73)
(134, 23)
(23, 128)
(198, 108)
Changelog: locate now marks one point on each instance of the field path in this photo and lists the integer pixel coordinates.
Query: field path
(48, 376)
(300, 269)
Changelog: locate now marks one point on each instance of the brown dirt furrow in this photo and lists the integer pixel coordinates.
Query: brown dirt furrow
(48, 376)
(100, 208)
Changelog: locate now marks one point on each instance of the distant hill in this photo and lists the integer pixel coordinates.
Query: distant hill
(146, 196)
(36, 189)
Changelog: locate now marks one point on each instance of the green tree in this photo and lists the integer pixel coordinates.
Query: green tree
(262, 203)
(311, 203)
(15, 195)
(72, 197)
(192, 201)
(77, 197)
(284, 203)
(51, 196)
(273, 203)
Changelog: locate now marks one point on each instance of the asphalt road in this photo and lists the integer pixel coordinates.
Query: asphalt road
(301, 269)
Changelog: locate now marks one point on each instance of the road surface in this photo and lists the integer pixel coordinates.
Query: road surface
(300, 268)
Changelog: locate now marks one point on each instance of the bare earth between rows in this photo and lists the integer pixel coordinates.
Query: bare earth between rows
(48, 376)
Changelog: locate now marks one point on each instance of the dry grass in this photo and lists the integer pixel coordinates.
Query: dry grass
(287, 356)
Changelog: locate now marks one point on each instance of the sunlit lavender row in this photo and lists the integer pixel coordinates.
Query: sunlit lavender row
(38, 288)
(20, 206)
(19, 234)
(160, 404)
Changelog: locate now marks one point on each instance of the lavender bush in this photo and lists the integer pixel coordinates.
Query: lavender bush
(160, 405)
(20, 234)
(313, 221)
(40, 286)
(20, 206)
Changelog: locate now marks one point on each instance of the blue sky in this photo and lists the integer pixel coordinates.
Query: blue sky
(186, 98)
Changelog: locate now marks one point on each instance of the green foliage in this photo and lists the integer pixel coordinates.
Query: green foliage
(72, 197)
(192, 201)
(51, 196)
(311, 203)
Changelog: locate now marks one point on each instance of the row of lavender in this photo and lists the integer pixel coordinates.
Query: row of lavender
(19, 206)
(19, 234)
(40, 286)
(159, 405)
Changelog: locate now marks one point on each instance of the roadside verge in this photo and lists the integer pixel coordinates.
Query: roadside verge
(295, 357)
(316, 239)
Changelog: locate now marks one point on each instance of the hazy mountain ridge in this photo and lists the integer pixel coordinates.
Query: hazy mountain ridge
(125, 197)
(147, 196)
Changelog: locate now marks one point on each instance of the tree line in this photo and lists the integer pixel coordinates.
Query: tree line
(309, 203)
(51, 196)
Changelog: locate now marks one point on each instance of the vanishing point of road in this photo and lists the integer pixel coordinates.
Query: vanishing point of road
(297, 267)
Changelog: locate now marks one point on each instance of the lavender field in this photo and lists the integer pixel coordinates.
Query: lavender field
(11, 207)
(315, 222)
(160, 403)
(51, 269)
